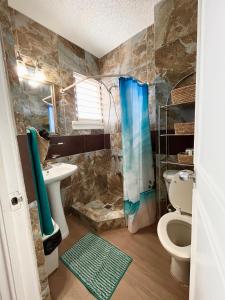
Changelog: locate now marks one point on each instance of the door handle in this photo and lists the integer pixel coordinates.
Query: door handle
(187, 175)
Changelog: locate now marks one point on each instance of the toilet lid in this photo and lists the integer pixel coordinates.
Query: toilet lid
(168, 174)
(180, 194)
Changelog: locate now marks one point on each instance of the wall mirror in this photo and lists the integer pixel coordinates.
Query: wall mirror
(39, 109)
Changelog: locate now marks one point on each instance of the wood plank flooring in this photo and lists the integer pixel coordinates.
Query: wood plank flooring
(147, 278)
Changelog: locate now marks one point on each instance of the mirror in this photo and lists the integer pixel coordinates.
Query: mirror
(39, 105)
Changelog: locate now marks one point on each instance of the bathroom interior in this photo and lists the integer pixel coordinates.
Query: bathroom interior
(69, 102)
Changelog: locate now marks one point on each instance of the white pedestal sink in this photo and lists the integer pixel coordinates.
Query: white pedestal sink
(52, 178)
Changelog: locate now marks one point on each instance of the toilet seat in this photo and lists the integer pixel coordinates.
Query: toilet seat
(183, 253)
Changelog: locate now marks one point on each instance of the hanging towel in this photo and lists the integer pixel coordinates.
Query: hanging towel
(40, 189)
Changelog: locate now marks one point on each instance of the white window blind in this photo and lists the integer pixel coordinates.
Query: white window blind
(88, 102)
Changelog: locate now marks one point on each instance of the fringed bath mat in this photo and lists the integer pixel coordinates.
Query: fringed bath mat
(97, 264)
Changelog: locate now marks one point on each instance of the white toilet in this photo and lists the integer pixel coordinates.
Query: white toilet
(174, 228)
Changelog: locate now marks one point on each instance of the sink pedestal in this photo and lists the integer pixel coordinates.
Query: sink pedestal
(52, 178)
(55, 201)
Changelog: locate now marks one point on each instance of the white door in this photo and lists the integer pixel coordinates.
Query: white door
(208, 235)
(18, 268)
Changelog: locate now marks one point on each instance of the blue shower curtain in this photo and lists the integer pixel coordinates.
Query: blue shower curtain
(138, 171)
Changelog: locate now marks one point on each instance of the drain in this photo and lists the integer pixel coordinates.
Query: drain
(108, 206)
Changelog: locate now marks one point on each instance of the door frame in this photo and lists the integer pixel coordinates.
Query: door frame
(201, 215)
(19, 278)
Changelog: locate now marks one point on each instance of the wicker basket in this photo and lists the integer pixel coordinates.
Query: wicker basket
(184, 158)
(43, 146)
(184, 128)
(183, 95)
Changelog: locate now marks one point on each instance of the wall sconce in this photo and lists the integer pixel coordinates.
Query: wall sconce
(21, 67)
(38, 73)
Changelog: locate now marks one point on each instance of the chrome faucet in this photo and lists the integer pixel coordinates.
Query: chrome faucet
(55, 155)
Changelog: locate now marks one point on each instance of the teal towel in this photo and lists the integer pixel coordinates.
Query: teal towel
(40, 189)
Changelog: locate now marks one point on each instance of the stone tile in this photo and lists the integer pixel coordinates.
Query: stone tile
(92, 64)
(151, 72)
(37, 237)
(150, 44)
(152, 108)
(79, 52)
(177, 59)
(65, 182)
(34, 40)
(125, 59)
(115, 186)
(58, 58)
(139, 49)
(174, 19)
(116, 141)
(109, 64)
(98, 218)
(141, 73)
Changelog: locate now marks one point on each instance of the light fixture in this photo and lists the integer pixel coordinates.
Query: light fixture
(21, 67)
(39, 74)
(33, 83)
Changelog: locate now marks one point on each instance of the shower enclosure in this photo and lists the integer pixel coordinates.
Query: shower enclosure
(97, 196)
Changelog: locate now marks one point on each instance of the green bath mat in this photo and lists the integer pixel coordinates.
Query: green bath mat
(97, 264)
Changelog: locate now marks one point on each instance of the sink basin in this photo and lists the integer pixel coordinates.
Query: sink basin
(58, 172)
(52, 177)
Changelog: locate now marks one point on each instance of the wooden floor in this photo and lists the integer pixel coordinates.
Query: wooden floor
(147, 278)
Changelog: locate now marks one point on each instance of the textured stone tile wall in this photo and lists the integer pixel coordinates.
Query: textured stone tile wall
(134, 57)
(58, 58)
(45, 292)
(175, 51)
(175, 57)
(175, 40)
(98, 177)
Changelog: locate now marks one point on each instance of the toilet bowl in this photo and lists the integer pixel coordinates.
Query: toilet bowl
(174, 228)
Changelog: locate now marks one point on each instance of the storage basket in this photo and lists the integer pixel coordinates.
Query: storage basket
(184, 158)
(184, 128)
(183, 95)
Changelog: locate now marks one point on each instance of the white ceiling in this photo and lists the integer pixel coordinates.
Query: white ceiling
(97, 26)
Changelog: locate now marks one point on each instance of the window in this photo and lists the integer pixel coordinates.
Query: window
(88, 104)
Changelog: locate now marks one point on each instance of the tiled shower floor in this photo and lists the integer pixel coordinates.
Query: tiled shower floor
(101, 214)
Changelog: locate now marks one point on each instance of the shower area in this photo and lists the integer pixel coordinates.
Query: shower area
(95, 191)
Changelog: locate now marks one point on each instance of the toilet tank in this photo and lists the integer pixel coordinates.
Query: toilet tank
(168, 175)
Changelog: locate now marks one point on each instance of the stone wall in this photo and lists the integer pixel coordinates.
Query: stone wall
(175, 44)
(136, 58)
(175, 57)
(36, 230)
(58, 58)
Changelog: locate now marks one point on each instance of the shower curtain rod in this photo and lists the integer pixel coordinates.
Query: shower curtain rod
(63, 90)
